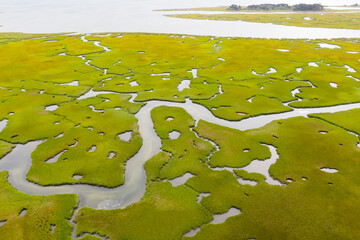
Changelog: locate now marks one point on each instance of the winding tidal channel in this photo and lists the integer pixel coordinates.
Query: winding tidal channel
(19, 160)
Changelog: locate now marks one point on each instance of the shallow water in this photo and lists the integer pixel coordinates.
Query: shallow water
(350, 69)
(326, 45)
(221, 218)
(93, 93)
(125, 136)
(52, 107)
(329, 170)
(55, 158)
(3, 124)
(73, 83)
(262, 167)
(257, 166)
(183, 85)
(84, 16)
(246, 182)
(174, 135)
(218, 219)
(133, 84)
(181, 180)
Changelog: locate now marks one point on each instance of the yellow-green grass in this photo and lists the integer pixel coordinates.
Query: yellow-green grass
(42, 212)
(31, 79)
(155, 164)
(41, 124)
(16, 36)
(188, 152)
(38, 60)
(346, 119)
(249, 176)
(45, 124)
(304, 210)
(235, 75)
(163, 207)
(109, 101)
(324, 206)
(315, 204)
(323, 201)
(304, 145)
(347, 20)
(232, 153)
(5, 148)
(32, 71)
(83, 129)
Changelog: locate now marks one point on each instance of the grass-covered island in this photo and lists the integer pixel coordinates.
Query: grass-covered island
(81, 98)
(273, 7)
(301, 15)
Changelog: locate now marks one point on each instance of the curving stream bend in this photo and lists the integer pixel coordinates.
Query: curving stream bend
(19, 160)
